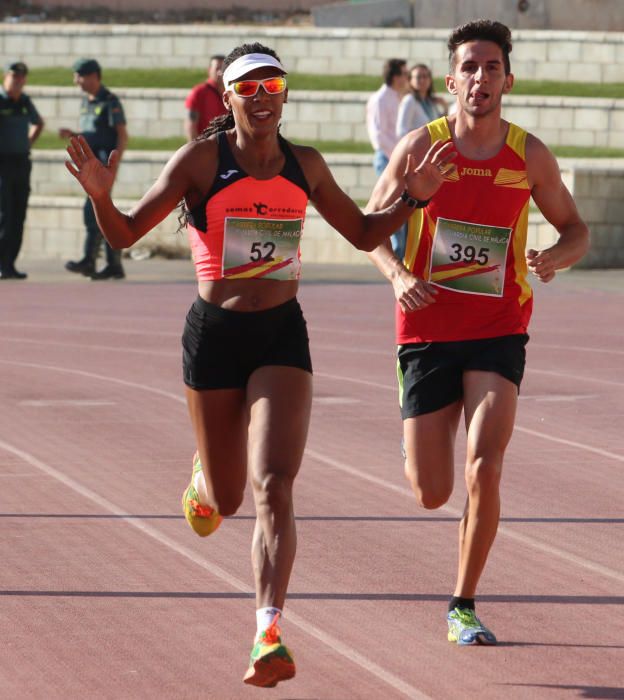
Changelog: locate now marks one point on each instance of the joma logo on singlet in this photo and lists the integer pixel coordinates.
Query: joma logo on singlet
(225, 176)
(479, 172)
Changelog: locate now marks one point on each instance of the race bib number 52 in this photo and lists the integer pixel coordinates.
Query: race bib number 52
(266, 248)
(469, 258)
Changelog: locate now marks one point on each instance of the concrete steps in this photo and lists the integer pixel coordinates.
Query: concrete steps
(54, 222)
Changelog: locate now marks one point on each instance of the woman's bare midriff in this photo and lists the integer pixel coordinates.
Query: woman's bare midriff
(247, 295)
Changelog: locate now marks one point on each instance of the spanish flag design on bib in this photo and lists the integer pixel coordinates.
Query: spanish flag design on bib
(470, 243)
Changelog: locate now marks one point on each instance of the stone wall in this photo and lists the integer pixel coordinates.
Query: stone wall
(593, 57)
(339, 116)
(599, 194)
(54, 225)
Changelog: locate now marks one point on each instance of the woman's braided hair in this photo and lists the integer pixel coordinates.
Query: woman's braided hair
(224, 122)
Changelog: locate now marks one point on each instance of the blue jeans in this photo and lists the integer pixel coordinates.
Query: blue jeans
(398, 239)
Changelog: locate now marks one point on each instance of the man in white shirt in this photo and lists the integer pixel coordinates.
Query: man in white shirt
(381, 116)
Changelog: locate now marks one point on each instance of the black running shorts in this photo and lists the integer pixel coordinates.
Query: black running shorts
(431, 374)
(222, 348)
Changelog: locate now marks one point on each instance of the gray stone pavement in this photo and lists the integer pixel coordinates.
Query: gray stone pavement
(175, 271)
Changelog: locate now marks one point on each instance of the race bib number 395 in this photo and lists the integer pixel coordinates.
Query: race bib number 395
(469, 258)
(262, 248)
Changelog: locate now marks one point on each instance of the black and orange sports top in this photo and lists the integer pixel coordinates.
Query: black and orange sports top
(470, 242)
(249, 228)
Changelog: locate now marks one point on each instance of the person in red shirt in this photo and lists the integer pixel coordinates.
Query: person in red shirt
(463, 296)
(205, 101)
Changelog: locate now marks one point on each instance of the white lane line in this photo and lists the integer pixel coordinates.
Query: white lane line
(376, 480)
(334, 400)
(95, 329)
(319, 329)
(528, 541)
(575, 377)
(576, 348)
(102, 377)
(572, 443)
(74, 403)
(557, 398)
(298, 621)
(316, 346)
(87, 346)
(386, 387)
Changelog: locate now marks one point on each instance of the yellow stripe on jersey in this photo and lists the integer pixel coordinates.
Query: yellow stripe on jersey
(516, 140)
(414, 230)
(439, 130)
(519, 248)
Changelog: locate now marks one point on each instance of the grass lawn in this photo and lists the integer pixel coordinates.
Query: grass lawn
(49, 140)
(186, 78)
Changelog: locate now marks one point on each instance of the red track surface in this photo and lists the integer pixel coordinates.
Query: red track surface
(106, 593)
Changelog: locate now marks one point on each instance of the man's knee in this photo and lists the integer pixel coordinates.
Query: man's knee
(430, 493)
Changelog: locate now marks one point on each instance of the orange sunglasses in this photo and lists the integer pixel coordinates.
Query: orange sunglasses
(248, 88)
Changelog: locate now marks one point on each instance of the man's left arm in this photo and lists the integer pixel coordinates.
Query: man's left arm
(556, 204)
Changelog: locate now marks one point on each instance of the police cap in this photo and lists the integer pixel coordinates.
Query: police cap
(18, 67)
(86, 66)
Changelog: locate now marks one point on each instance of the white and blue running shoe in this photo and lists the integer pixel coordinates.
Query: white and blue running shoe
(465, 628)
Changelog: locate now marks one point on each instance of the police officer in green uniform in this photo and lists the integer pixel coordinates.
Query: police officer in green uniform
(103, 125)
(20, 126)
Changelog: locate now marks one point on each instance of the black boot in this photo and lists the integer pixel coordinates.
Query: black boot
(110, 272)
(83, 267)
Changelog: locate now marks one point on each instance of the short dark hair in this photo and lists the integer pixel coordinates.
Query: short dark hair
(217, 57)
(391, 68)
(481, 30)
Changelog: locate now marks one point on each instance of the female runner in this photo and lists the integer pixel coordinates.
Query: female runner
(246, 360)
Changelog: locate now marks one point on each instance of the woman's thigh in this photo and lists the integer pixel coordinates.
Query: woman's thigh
(279, 401)
(219, 418)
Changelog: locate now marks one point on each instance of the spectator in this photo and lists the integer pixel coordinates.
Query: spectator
(420, 105)
(205, 101)
(103, 124)
(381, 117)
(20, 126)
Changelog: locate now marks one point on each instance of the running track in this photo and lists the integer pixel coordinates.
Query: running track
(106, 593)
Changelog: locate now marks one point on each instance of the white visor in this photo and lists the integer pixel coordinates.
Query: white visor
(243, 65)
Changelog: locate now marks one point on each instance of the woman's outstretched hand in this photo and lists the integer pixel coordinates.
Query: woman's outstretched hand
(96, 178)
(423, 181)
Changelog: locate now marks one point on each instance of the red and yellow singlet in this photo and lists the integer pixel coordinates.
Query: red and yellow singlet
(249, 228)
(470, 242)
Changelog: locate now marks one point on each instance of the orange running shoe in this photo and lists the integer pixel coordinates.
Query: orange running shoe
(203, 519)
(270, 661)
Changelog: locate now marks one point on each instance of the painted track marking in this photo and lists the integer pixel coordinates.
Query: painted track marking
(529, 541)
(339, 647)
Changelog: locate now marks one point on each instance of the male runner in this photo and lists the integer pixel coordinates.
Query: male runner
(463, 300)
